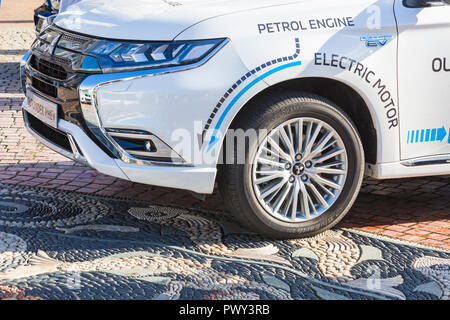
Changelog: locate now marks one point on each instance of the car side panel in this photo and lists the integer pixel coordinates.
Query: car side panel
(329, 48)
(424, 80)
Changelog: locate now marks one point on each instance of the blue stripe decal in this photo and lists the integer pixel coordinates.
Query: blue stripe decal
(433, 135)
(243, 80)
(214, 139)
(428, 135)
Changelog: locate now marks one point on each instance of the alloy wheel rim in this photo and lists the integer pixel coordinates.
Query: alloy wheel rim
(299, 169)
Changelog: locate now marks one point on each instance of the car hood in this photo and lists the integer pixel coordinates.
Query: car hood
(149, 19)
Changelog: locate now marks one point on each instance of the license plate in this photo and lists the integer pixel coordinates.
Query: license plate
(41, 108)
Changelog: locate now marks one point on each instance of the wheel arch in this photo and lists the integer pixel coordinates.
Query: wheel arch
(337, 92)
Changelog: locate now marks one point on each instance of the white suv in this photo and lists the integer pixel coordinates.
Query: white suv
(317, 92)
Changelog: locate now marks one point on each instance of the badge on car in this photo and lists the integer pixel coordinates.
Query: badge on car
(376, 41)
(43, 109)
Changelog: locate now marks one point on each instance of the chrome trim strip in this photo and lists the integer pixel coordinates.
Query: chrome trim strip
(144, 154)
(89, 104)
(76, 153)
(23, 66)
(427, 161)
(136, 136)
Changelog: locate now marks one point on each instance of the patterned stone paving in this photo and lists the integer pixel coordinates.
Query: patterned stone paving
(47, 233)
(61, 245)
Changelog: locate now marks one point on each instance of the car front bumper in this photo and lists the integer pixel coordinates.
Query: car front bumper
(94, 110)
(84, 150)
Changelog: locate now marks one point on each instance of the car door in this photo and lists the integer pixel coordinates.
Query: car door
(423, 78)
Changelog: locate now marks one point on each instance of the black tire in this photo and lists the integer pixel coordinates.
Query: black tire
(267, 112)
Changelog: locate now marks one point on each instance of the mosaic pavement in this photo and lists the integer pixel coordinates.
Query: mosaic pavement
(60, 245)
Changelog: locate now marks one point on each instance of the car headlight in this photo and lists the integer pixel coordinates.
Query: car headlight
(55, 4)
(126, 56)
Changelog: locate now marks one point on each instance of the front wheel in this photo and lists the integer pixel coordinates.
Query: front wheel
(303, 175)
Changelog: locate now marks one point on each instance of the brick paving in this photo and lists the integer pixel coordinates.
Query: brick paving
(18, 12)
(414, 210)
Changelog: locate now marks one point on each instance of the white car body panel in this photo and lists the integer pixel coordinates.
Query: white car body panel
(424, 93)
(394, 77)
(148, 20)
(65, 4)
(255, 49)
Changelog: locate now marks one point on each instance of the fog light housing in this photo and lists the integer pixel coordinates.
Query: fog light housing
(143, 145)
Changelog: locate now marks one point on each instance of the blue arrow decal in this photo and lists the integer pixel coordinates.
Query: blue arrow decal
(427, 135)
(441, 134)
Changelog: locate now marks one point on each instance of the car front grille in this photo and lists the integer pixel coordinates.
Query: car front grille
(50, 74)
(44, 87)
(48, 68)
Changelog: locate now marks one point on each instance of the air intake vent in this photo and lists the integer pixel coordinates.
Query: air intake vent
(55, 136)
(48, 68)
(44, 87)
